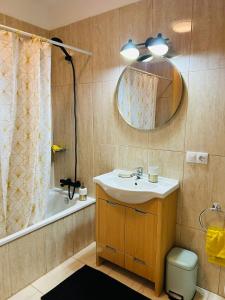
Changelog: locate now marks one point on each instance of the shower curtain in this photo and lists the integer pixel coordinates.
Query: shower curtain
(25, 130)
(138, 98)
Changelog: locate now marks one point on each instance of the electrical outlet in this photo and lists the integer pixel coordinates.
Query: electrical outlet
(197, 157)
(202, 158)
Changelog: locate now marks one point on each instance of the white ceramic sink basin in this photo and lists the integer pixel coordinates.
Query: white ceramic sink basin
(132, 190)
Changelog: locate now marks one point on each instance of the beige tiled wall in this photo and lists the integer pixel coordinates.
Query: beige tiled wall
(106, 141)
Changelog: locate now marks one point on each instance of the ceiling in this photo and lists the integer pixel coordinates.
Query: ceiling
(50, 14)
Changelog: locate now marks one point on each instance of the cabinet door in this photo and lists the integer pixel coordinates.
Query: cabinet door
(111, 220)
(140, 236)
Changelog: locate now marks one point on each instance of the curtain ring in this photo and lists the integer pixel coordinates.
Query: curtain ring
(17, 34)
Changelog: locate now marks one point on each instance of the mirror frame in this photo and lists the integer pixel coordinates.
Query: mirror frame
(175, 112)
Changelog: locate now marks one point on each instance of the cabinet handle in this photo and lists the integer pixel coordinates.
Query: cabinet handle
(110, 248)
(140, 211)
(139, 261)
(111, 203)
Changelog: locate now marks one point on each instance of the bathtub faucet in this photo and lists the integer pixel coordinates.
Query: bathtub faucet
(72, 185)
(68, 182)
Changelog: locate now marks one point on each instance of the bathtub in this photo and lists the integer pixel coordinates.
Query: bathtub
(58, 207)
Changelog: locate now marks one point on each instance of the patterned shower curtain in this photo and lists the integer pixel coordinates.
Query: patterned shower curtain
(138, 97)
(25, 130)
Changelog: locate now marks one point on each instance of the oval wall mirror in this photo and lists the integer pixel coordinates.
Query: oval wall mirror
(149, 93)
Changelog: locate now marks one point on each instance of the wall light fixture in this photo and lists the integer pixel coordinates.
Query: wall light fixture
(130, 50)
(157, 46)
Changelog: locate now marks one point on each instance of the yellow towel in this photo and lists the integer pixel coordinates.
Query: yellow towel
(215, 245)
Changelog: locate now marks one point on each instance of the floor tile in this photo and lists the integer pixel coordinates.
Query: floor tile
(87, 255)
(130, 279)
(201, 294)
(29, 293)
(57, 275)
(147, 289)
(37, 296)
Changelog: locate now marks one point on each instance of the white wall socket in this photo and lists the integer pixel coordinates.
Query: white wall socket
(197, 157)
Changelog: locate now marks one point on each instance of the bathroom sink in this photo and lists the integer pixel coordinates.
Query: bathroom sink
(132, 190)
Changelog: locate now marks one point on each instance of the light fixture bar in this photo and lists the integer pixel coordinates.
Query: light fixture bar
(140, 45)
(27, 34)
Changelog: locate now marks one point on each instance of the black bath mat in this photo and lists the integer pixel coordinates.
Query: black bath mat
(87, 284)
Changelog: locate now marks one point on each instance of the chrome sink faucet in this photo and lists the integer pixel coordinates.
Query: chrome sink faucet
(138, 172)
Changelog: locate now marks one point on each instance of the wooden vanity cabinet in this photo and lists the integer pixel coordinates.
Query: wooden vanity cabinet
(111, 231)
(140, 242)
(136, 237)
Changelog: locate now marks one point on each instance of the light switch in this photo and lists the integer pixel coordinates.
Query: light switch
(197, 157)
(191, 157)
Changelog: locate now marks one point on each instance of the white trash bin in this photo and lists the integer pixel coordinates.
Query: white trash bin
(181, 274)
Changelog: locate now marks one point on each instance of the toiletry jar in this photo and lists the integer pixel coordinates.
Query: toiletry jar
(153, 173)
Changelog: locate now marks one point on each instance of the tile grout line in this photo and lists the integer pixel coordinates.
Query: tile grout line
(37, 290)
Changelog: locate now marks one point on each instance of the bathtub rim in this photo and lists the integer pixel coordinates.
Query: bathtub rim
(62, 214)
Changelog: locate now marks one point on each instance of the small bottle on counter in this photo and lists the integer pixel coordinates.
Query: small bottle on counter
(82, 193)
(153, 174)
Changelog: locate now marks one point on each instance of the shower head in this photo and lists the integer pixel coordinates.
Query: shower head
(67, 55)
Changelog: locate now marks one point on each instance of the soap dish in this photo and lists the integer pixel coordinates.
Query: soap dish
(127, 174)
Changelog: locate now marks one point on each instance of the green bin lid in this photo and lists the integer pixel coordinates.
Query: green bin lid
(182, 258)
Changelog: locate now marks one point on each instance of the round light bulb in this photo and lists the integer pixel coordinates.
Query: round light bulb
(130, 50)
(158, 49)
(130, 53)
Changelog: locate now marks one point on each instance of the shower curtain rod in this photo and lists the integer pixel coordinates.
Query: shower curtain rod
(10, 29)
(148, 73)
